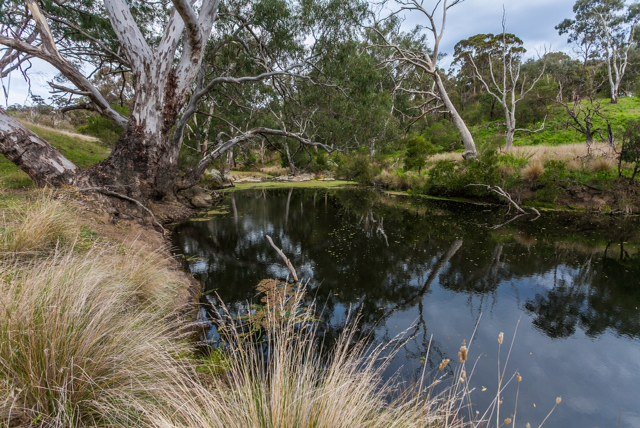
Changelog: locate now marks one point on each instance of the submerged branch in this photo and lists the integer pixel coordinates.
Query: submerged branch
(284, 258)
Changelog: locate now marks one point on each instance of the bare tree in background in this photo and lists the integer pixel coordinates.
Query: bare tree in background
(426, 61)
(507, 85)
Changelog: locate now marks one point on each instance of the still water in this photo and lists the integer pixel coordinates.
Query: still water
(567, 287)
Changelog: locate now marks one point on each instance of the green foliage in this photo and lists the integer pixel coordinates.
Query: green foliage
(443, 135)
(416, 153)
(357, 167)
(457, 179)
(103, 128)
(216, 363)
(630, 151)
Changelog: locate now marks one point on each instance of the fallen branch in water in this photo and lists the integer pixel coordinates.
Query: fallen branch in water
(502, 193)
(286, 260)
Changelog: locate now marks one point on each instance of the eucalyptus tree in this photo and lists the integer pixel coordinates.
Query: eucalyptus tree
(604, 29)
(496, 60)
(159, 49)
(423, 58)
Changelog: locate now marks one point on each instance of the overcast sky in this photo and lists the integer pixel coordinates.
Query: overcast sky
(532, 20)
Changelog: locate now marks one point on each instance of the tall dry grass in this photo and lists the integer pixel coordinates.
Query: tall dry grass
(76, 349)
(38, 225)
(291, 381)
(541, 153)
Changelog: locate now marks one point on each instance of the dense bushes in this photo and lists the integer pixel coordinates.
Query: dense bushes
(455, 178)
(417, 150)
(630, 151)
(356, 166)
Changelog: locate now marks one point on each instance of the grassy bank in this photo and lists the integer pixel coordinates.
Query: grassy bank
(312, 184)
(565, 177)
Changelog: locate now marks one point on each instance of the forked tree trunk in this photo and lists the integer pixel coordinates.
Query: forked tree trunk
(41, 161)
(144, 162)
(467, 139)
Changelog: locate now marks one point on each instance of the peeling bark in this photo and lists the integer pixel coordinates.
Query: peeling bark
(41, 161)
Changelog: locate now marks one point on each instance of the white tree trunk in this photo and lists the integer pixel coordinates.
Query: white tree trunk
(511, 128)
(41, 161)
(467, 139)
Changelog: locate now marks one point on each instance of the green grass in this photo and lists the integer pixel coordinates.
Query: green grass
(313, 184)
(80, 151)
(556, 131)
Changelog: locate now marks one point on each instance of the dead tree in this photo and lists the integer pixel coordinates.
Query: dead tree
(426, 61)
(507, 85)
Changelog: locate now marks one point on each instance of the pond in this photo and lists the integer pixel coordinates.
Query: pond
(567, 286)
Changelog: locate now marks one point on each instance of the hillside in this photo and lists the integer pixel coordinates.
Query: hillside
(83, 150)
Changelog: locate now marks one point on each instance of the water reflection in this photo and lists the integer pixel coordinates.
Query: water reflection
(433, 269)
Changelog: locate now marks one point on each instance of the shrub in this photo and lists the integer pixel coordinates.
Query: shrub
(555, 171)
(394, 180)
(533, 171)
(357, 167)
(445, 178)
(630, 151)
(102, 128)
(443, 135)
(452, 178)
(417, 150)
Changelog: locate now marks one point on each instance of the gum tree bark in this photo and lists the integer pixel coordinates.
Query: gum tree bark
(43, 163)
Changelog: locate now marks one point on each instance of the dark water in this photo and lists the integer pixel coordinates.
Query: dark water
(434, 269)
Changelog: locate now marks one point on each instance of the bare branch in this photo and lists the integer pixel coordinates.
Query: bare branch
(284, 258)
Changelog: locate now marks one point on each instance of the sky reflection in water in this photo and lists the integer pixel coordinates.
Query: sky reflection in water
(433, 269)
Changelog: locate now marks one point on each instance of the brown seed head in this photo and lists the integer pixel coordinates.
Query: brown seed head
(463, 354)
(444, 364)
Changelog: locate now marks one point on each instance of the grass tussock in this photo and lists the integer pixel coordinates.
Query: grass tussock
(601, 164)
(76, 349)
(37, 225)
(533, 171)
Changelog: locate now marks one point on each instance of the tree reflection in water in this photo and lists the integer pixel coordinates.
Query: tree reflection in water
(431, 269)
